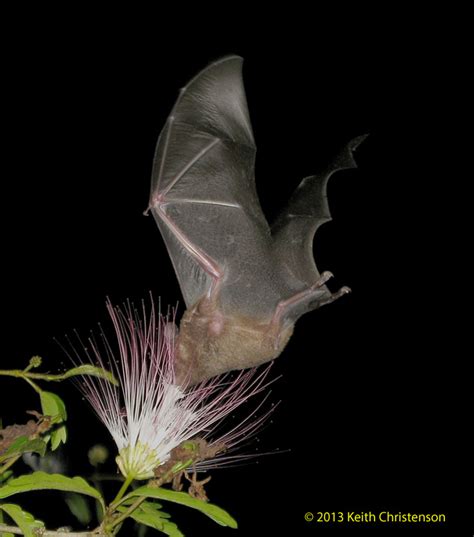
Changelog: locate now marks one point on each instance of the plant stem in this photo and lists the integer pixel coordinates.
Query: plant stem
(51, 533)
(128, 512)
(122, 490)
(156, 484)
(9, 463)
(12, 372)
(25, 374)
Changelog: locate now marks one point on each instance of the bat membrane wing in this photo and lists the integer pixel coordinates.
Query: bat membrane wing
(294, 229)
(203, 192)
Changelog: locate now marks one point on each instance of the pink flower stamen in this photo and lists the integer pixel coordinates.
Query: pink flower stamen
(149, 414)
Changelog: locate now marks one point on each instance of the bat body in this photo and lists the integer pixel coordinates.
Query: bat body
(244, 283)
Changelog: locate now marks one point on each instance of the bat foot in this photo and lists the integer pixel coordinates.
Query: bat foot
(325, 276)
(312, 292)
(334, 296)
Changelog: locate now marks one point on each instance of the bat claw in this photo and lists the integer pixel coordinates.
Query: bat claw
(342, 291)
(334, 296)
(325, 276)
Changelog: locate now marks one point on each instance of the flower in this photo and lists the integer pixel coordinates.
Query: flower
(148, 414)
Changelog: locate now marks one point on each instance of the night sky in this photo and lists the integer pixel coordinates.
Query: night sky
(367, 419)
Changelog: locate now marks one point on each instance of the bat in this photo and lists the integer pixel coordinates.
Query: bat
(245, 283)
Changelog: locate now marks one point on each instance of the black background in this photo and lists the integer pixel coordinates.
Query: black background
(372, 386)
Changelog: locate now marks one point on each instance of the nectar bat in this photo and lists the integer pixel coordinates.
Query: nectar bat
(245, 283)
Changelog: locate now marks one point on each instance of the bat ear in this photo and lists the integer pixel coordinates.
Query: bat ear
(307, 209)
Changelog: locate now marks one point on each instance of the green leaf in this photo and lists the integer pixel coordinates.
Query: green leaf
(212, 511)
(4, 534)
(5, 476)
(92, 371)
(146, 505)
(44, 481)
(24, 445)
(149, 515)
(58, 436)
(25, 521)
(79, 508)
(52, 405)
(154, 506)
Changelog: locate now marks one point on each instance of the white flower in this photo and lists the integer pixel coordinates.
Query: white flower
(149, 414)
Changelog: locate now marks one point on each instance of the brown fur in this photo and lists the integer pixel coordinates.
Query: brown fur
(211, 343)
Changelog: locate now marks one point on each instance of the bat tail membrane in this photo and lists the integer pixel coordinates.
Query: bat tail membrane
(293, 232)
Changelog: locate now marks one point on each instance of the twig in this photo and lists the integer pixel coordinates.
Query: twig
(128, 512)
(9, 463)
(51, 533)
(25, 374)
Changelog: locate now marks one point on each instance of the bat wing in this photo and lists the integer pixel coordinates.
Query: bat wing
(203, 194)
(293, 232)
(294, 228)
(244, 285)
